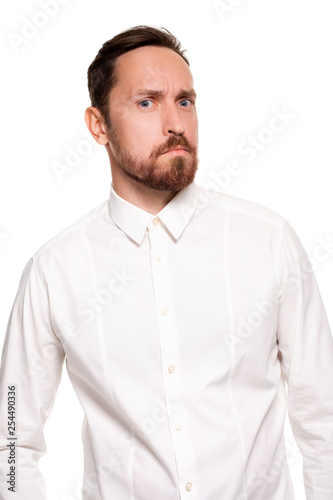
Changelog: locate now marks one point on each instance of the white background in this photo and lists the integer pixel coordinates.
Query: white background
(248, 57)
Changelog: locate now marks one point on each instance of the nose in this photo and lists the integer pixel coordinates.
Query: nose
(173, 122)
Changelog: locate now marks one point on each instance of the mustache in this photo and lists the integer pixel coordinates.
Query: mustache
(172, 142)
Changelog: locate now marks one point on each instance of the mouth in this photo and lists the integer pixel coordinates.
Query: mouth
(176, 150)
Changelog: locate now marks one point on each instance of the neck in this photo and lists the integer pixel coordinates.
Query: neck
(150, 200)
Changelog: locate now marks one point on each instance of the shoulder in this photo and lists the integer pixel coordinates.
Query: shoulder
(239, 209)
(73, 234)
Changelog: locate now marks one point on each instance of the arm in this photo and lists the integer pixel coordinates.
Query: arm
(306, 347)
(32, 361)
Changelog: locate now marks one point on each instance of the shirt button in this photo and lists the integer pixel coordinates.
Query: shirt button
(188, 486)
(165, 311)
(159, 256)
(178, 427)
(171, 368)
(156, 220)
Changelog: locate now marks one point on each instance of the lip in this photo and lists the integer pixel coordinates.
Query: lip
(177, 150)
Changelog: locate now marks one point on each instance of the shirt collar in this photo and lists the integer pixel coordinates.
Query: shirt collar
(175, 215)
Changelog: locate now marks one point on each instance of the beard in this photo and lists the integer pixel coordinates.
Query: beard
(162, 174)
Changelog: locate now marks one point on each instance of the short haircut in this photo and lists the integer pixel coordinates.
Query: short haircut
(102, 74)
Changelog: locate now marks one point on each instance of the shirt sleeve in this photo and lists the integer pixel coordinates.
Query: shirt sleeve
(31, 368)
(306, 354)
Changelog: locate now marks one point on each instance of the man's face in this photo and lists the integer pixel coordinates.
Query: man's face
(152, 111)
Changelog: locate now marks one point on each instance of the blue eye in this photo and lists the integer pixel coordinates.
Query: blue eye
(186, 100)
(144, 102)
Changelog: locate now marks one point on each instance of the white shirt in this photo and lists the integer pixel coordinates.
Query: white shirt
(178, 330)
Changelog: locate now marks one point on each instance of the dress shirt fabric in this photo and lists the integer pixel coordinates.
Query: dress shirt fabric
(179, 332)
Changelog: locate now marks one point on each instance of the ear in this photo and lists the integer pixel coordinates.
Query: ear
(96, 125)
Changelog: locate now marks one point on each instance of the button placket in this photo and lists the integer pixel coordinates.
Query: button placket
(169, 342)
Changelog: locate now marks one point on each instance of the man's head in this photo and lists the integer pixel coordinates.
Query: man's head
(143, 104)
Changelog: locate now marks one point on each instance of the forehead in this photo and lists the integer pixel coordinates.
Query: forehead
(154, 68)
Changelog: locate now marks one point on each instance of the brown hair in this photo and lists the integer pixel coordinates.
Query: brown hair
(102, 76)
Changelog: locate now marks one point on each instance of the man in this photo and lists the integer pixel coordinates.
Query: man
(181, 314)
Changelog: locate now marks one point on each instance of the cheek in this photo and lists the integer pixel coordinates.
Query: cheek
(192, 134)
(142, 135)
(133, 131)
(138, 139)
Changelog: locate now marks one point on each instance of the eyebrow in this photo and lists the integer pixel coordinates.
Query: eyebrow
(155, 93)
